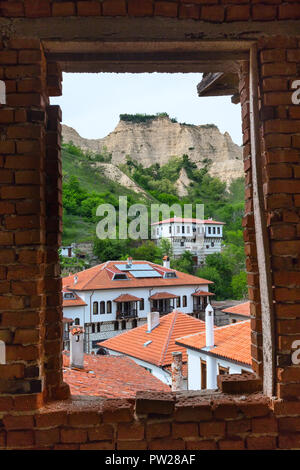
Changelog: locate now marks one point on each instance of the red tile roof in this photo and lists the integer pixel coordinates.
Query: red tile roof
(232, 342)
(127, 298)
(159, 351)
(110, 377)
(241, 309)
(77, 302)
(101, 277)
(188, 220)
(163, 295)
(201, 292)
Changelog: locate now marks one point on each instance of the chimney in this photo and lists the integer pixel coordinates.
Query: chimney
(152, 321)
(75, 279)
(76, 347)
(129, 261)
(211, 363)
(209, 326)
(166, 262)
(177, 371)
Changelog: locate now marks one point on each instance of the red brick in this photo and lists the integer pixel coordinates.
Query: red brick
(73, 435)
(11, 8)
(101, 433)
(165, 9)
(138, 8)
(89, 8)
(231, 444)
(158, 430)
(105, 445)
(20, 439)
(201, 445)
(212, 13)
(289, 11)
(63, 9)
(50, 419)
(134, 431)
(11, 371)
(264, 12)
(239, 426)
(185, 430)
(37, 8)
(237, 12)
(18, 422)
(167, 444)
(261, 443)
(47, 437)
(264, 425)
(130, 445)
(189, 12)
(213, 428)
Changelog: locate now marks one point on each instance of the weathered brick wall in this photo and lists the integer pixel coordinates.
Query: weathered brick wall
(280, 127)
(157, 422)
(30, 215)
(216, 11)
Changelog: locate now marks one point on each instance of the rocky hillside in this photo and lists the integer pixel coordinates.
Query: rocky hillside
(159, 138)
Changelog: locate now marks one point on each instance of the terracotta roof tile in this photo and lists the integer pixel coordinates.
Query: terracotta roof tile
(110, 377)
(201, 292)
(159, 351)
(127, 298)
(100, 277)
(163, 295)
(241, 309)
(77, 302)
(231, 342)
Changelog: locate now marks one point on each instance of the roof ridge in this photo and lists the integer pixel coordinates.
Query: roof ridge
(165, 347)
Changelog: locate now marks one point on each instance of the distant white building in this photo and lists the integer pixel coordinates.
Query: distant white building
(216, 351)
(199, 237)
(116, 296)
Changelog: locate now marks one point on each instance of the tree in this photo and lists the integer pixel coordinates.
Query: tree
(166, 247)
(109, 249)
(211, 274)
(239, 285)
(148, 251)
(184, 263)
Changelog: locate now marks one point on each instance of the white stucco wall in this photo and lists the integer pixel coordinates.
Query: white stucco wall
(194, 368)
(86, 313)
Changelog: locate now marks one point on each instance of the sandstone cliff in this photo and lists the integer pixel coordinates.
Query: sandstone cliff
(156, 140)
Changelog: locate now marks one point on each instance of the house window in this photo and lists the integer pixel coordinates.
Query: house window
(108, 307)
(214, 229)
(170, 229)
(188, 229)
(95, 308)
(102, 307)
(209, 230)
(183, 229)
(134, 323)
(212, 244)
(116, 325)
(123, 325)
(223, 370)
(178, 302)
(98, 327)
(184, 301)
(181, 243)
(93, 327)
(142, 304)
(77, 321)
(218, 230)
(178, 229)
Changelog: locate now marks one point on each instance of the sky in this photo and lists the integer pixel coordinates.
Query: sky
(92, 103)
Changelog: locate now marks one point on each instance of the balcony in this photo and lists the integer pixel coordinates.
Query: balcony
(123, 315)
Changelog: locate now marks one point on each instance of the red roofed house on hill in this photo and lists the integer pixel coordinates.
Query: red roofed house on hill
(200, 237)
(216, 351)
(152, 345)
(240, 312)
(116, 296)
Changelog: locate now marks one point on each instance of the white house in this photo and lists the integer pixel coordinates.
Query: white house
(218, 350)
(151, 345)
(117, 295)
(199, 237)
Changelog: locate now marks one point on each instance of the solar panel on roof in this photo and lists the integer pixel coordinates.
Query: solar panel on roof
(150, 273)
(134, 267)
